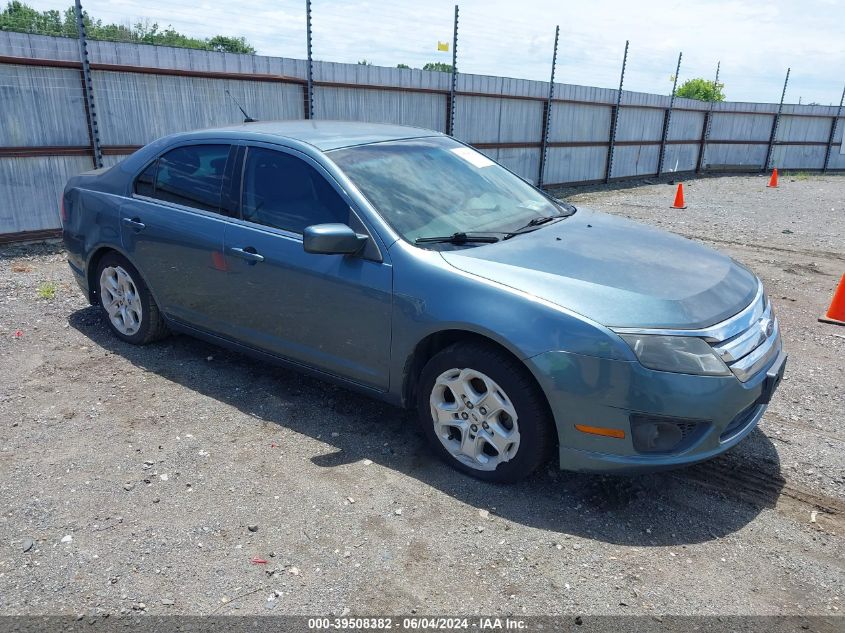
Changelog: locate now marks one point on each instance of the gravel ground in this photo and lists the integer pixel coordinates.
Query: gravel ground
(149, 479)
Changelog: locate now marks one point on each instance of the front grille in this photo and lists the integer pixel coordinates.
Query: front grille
(751, 349)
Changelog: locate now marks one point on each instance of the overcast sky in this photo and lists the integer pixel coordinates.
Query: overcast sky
(755, 40)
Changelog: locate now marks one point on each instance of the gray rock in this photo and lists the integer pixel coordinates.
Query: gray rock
(252, 528)
(28, 544)
(128, 486)
(168, 602)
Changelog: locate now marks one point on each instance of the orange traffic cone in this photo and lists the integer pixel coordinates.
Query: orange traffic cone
(836, 311)
(773, 181)
(679, 197)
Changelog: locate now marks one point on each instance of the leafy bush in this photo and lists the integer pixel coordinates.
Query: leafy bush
(701, 89)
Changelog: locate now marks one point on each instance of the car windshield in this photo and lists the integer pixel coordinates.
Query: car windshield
(435, 186)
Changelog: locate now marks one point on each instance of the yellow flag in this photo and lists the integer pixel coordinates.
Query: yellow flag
(443, 46)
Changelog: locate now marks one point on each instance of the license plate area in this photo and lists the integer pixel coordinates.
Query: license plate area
(773, 377)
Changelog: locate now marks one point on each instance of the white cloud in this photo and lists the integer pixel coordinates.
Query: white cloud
(755, 41)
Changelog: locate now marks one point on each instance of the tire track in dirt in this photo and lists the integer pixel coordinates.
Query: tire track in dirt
(756, 486)
(779, 419)
(768, 247)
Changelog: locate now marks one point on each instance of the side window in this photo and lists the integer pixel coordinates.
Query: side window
(191, 176)
(145, 183)
(285, 192)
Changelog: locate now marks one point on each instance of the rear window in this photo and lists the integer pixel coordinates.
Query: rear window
(191, 176)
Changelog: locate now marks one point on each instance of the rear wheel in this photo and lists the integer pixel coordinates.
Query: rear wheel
(131, 312)
(483, 413)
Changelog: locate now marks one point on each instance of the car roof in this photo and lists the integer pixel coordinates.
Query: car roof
(324, 135)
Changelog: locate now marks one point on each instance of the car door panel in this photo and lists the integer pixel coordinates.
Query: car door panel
(178, 249)
(332, 312)
(179, 254)
(328, 311)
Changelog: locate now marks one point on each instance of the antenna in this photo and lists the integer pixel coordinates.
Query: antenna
(247, 118)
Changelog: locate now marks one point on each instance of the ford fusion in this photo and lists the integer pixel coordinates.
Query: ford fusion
(402, 263)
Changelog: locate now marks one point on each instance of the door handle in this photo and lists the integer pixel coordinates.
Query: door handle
(247, 253)
(134, 223)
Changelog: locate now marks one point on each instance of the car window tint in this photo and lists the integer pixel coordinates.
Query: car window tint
(145, 183)
(285, 192)
(192, 176)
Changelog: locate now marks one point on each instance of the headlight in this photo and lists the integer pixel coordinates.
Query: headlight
(680, 354)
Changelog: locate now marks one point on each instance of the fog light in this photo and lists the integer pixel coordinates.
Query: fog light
(654, 434)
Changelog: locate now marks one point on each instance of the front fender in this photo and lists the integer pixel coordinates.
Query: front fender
(431, 296)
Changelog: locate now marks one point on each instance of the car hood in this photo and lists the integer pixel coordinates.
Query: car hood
(617, 272)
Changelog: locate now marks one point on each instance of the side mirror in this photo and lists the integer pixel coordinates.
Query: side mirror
(332, 239)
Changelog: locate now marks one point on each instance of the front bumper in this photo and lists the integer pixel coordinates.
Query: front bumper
(605, 393)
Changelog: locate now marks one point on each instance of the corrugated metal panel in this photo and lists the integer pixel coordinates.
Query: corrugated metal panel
(110, 160)
(523, 162)
(381, 76)
(502, 85)
(685, 126)
(40, 46)
(639, 124)
(41, 106)
(635, 160)
(30, 190)
(135, 109)
(814, 129)
(681, 157)
(575, 122)
(191, 59)
(381, 106)
(747, 156)
(798, 156)
(741, 127)
(571, 92)
(490, 120)
(575, 164)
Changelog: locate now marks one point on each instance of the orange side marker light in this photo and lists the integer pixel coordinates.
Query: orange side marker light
(597, 430)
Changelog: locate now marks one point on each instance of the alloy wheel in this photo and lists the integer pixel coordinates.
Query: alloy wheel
(474, 419)
(119, 296)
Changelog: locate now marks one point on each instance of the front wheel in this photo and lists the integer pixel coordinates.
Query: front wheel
(483, 413)
(130, 309)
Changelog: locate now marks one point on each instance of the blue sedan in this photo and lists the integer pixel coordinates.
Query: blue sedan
(402, 263)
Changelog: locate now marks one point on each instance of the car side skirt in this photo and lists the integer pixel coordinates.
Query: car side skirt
(216, 339)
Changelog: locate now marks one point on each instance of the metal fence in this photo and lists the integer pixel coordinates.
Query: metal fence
(69, 104)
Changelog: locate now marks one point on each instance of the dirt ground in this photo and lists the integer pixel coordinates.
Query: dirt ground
(130, 478)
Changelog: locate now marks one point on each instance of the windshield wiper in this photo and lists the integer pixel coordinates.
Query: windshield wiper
(458, 238)
(534, 223)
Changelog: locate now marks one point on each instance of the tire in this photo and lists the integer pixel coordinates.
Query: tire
(135, 317)
(517, 416)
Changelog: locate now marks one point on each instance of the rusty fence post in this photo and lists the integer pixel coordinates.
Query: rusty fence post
(614, 121)
(833, 128)
(88, 88)
(775, 125)
(450, 127)
(547, 114)
(667, 119)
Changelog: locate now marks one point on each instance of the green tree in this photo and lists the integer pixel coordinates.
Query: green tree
(438, 66)
(223, 44)
(701, 89)
(403, 66)
(20, 17)
(364, 62)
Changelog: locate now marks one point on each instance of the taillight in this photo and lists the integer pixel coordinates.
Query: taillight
(62, 211)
